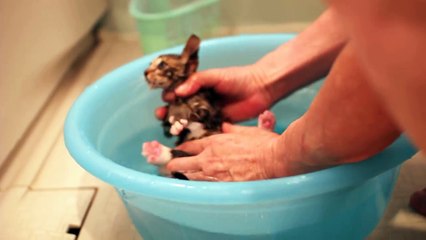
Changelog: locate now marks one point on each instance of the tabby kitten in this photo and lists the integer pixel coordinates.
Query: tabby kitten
(188, 118)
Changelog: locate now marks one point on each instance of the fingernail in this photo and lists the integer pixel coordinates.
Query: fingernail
(182, 89)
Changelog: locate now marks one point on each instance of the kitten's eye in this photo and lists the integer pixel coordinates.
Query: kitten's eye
(161, 65)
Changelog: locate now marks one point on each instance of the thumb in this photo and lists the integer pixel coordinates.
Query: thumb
(205, 79)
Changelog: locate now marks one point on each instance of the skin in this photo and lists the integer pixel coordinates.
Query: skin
(247, 91)
(346, 123)
(209, 163)
(397, 69)
(374, 91)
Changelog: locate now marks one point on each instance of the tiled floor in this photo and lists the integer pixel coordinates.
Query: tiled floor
(46, 195)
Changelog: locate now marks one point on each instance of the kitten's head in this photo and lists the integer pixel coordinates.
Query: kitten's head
(170, 69)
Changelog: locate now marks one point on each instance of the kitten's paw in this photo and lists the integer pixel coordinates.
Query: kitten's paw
(266, 120)
(156, 153)
(178, 126)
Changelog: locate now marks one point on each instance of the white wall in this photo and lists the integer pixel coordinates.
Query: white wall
(38, 43)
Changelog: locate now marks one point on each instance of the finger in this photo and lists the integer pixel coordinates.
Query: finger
(194, 147)
(184, 165)
(234, 111)
(161, 113)
(206, 79)
(200, 176)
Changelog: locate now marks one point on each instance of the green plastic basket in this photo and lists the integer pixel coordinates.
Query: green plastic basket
(166, 23)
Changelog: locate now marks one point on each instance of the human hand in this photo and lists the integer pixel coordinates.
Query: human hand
(239, 154)
(242, 90)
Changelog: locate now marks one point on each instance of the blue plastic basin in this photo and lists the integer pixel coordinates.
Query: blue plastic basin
(109, 121)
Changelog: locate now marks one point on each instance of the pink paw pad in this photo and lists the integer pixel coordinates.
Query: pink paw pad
(152, 151)
(266, 120)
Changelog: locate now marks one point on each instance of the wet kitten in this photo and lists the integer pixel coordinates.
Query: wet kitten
(160, 155)
(189, 118)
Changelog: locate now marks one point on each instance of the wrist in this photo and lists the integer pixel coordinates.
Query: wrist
(287, 153)
(273, 73)
(296, 153)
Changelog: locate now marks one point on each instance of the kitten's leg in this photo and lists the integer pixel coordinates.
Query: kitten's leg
(160, 155)
(266, 120)
(156, 153)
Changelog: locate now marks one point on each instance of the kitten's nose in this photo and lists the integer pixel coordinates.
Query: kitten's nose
(145, 73)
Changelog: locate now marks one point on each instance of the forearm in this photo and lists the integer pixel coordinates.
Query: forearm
(345, 123)
(304, 59)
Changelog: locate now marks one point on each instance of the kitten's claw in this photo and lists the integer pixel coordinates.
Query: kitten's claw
(266, 120)
(156, 153)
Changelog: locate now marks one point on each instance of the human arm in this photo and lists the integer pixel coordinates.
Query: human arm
(374, 91)
(388, 50)
(305, 59)
(345, 123)
(249, 90)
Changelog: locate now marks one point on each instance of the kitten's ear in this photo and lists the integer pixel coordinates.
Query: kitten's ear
(191, 48)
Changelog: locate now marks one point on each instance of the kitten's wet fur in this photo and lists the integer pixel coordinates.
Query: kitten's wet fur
(190, 117)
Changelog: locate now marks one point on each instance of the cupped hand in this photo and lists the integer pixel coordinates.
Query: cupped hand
(242, 91)
(239, 154)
